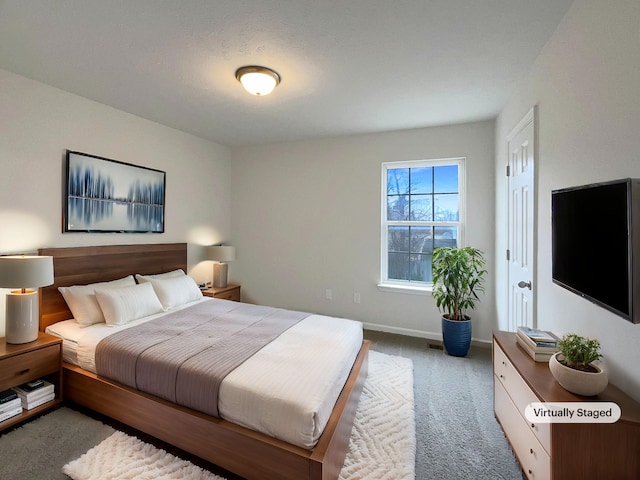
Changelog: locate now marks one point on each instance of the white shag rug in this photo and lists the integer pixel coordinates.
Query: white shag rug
(121, 457)
(383, 439)
(382, 444)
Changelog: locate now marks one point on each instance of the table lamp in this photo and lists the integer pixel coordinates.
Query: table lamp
(220, 254)
(26, 273)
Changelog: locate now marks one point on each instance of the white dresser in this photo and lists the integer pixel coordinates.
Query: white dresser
(560, 451)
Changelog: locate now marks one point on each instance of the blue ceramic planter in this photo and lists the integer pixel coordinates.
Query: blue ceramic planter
(456, 335)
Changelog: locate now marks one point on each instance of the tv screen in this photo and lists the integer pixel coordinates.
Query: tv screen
(592, 243)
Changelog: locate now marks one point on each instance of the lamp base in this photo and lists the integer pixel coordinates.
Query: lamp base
(22, 316)
(220, 274)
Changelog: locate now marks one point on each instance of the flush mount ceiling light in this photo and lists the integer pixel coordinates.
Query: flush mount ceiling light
(256, 80)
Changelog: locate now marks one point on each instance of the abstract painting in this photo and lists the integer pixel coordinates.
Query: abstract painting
(104, 195)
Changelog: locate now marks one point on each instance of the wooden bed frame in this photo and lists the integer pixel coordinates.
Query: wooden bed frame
(237, 449)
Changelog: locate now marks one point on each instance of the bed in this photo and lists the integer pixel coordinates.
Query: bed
(241, 450)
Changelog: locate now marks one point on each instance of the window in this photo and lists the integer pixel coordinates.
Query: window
(421, 210)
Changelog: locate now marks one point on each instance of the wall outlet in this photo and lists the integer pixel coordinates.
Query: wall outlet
(356, 297)
(328, 294)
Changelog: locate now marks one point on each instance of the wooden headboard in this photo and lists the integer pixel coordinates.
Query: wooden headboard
(83, 265)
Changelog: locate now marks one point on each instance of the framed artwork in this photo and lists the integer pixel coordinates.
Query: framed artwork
(103, 195)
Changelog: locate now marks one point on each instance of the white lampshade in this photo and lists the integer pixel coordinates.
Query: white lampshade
(25, 271)
(258, 81)
(221, 253)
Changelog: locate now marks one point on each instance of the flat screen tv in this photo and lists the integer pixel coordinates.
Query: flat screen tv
(595, 233)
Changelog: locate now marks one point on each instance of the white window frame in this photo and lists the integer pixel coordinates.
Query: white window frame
(406, 286)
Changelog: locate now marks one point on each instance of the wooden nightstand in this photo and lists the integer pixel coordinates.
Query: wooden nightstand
(230, 292)
(25, 362)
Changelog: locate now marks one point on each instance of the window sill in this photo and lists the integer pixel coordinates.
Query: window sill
(404, 288)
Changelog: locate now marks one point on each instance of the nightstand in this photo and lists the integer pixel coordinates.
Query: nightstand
(21, 363)
(230, 292)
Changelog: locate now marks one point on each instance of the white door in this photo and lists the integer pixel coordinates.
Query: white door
(520, 224)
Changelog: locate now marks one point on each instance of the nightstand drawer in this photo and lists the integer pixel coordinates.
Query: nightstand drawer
(27, 366)
(231, 292)
(230, 295)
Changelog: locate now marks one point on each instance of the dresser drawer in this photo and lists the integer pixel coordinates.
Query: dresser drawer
(534, 459)
(520, 394)
(501, 363)
(28, 366)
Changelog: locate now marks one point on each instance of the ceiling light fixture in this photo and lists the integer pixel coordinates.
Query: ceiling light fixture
(256, 80)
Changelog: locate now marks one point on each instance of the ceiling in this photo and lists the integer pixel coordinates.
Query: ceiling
(347, 66)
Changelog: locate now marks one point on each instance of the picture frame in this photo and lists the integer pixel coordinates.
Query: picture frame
(108, 196)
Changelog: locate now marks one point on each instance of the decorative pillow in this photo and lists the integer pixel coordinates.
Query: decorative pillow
(122, 305)
(176, 291)
(172, 274)
(82, 302)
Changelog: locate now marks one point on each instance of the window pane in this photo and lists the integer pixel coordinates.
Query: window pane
(421, 268)
(397, 181)
(421, 208)
(399, 239)
(421, 180)
(445, 179)
(398, 208)
(446, 208)
(445, 237)
(422, 240)
(399, 266)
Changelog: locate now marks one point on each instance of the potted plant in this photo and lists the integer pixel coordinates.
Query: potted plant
(458, 277)
(573, 366)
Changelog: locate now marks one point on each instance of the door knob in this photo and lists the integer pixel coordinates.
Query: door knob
(523, 284)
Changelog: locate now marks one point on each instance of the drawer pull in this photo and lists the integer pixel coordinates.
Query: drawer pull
(501, 376)
(533, 425)
(530, 472)
(22, 372)
(531, 451)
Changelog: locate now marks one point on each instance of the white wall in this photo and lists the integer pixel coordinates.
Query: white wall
(38, 123)
(306, 218)
(586, 84)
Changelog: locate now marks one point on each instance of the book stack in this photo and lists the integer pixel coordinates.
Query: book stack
(10, 405)
(34, 394)
(539, 344)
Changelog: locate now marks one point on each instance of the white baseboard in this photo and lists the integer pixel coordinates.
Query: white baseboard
(436, 336)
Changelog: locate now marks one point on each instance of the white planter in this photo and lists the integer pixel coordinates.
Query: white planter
(576, 381)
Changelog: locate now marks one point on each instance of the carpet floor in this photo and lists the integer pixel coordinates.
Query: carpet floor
(458, 437)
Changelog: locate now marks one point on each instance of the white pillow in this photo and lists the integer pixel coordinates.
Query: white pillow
(82, 302)
(172, 274)
(122, 305)
(175, 291)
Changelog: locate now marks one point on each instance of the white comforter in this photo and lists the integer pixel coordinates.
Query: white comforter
(286, 390)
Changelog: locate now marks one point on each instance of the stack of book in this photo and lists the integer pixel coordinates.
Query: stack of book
(10, 405)
(34, 394)
(539, 344)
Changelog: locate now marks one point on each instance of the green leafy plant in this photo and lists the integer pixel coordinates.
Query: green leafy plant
(579, 352)
(458, 277)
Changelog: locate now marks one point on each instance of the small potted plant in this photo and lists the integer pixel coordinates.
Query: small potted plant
(573, 366)
(458, 277)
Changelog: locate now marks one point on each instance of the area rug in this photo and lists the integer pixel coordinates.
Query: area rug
(383, 440)
(382, 445)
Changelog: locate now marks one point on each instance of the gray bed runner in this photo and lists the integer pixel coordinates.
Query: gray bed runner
(184, 356)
